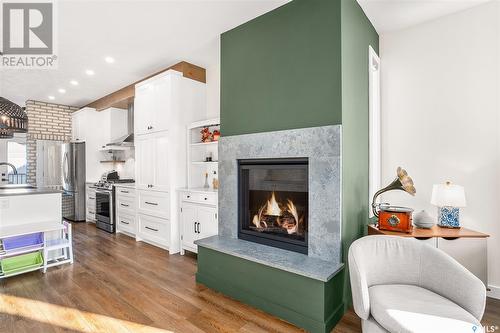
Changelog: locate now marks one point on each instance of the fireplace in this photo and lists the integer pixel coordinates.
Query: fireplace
(273, 202)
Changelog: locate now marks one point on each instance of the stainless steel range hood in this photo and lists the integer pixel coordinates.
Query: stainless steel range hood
(126, 140)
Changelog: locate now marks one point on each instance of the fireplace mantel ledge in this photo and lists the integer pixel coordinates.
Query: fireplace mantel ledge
(292, 262)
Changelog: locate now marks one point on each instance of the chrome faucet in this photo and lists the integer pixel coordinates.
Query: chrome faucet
(11, 165)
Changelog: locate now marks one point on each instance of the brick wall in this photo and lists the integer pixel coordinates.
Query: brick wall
(46, 121)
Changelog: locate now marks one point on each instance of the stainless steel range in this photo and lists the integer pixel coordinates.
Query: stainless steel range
(105, 200)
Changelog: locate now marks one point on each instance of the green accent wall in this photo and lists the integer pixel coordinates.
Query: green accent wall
(357, 35)
(282, 70)
(311, 304)
(301, 65)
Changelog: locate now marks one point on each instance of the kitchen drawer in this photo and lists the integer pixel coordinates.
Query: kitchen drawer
(90, 216)
(470, 252)
(154, 203)
(127, 203)
(124, 192)
(154, 229)
(205, 198)
(90, 195)
(125, 222)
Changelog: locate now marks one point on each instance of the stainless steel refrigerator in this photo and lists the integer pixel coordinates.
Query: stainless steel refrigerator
(73, 180)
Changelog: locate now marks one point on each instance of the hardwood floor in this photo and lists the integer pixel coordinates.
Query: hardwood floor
(119, 285)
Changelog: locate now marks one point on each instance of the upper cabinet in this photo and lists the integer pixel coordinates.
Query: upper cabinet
(153, 103)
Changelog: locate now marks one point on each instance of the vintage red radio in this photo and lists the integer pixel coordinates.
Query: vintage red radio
(395, 218)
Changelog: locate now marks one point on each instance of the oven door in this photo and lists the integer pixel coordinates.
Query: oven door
(104, 210)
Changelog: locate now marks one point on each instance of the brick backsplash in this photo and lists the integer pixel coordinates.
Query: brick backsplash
(46, 121)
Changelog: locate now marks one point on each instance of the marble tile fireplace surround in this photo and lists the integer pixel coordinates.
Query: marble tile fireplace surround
(316, 219)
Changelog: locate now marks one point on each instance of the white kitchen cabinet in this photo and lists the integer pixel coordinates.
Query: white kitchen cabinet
(198, 219)
(90, 203)
(153, 99)
(164, 106)
(125, 207)
(152, 164)
(154, 230)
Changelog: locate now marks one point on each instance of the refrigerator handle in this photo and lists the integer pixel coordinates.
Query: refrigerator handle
(65, 167)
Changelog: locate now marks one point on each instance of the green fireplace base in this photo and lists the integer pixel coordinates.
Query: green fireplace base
(313, 305)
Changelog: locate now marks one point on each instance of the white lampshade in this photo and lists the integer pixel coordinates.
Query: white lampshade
(448, 195)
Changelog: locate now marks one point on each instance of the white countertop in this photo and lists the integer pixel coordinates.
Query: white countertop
(126, 185)
(197, 190)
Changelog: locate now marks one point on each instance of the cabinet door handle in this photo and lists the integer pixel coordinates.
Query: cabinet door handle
(199, 224)
(91, 198)
(124, 205)
(194, 225)
(153, 229)
(91, 212)
(206, 198)
(124, 222)
(188, 196)
(151, 203)
(123, 191)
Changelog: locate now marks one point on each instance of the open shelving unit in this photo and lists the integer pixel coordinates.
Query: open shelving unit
(32, 257)
(198, 152)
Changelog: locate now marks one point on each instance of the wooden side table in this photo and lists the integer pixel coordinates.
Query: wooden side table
(466, 246)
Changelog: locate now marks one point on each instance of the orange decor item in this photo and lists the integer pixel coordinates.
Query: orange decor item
(216, 135)
(395, 218)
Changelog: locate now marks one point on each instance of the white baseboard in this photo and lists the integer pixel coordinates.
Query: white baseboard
(494, 292)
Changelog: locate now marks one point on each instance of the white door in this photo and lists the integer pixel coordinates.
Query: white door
(162, 104)
(189, 227)
(75, 126)
(162, 171)
(145, 161)
(144, 108)
(207, 222)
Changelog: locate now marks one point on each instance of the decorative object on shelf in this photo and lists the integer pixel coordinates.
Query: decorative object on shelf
(215, 181)
(423, 220)
(209, 157)
(393, 217)
(206, 135)
(13, 119)
(206, 181)
(216, 135)
(448, 198)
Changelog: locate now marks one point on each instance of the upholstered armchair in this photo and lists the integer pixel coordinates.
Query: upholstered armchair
(402, 285)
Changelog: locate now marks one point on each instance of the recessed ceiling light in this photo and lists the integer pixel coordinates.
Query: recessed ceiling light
(61, 90)
(109, 60)
(51, 97)
(89, 72)
(73, 82)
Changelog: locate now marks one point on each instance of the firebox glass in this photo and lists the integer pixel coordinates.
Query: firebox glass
(274, 202)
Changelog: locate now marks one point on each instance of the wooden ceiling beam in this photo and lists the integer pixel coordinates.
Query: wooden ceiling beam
(121, 98)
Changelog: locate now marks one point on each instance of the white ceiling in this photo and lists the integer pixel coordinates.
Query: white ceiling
(142, 36)
(391, 15)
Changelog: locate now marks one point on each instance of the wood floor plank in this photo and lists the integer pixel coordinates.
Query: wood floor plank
(119, 285)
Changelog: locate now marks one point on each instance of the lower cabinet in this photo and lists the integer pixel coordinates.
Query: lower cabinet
(90, 203)
(198, 221)
(154, 229)
(471, 252)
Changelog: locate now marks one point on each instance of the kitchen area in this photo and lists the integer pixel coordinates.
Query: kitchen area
(142, 162)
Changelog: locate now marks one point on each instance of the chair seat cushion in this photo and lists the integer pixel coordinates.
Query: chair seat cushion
(407, 308)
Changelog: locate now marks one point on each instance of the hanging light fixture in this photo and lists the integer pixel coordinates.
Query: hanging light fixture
(13, 119)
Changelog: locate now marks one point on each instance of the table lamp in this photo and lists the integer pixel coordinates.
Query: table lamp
(448, 198)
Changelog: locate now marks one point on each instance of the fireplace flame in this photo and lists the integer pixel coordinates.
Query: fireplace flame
(278, 217)
(273, 209)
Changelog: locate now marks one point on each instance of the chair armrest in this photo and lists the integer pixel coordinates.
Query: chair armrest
(443, 275)
(359, 285)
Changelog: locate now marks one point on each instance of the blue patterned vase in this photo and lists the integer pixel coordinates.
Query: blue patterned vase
(448, 217)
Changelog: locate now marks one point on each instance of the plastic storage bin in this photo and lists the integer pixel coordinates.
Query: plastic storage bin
(16, 242)
(21, 263)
